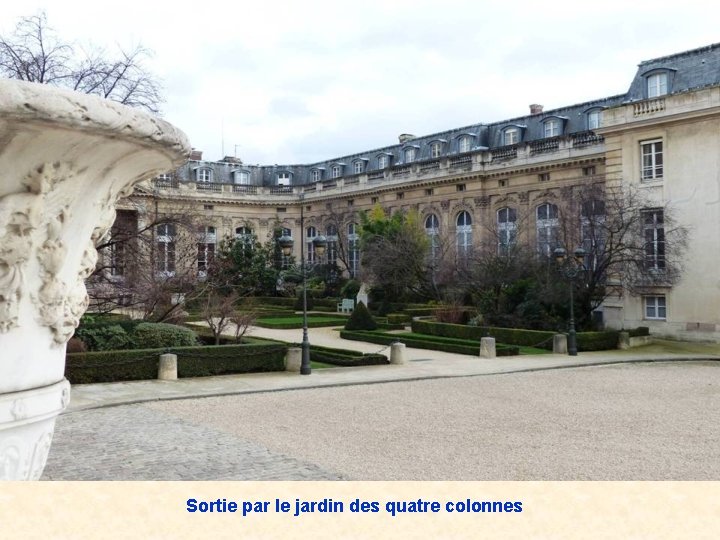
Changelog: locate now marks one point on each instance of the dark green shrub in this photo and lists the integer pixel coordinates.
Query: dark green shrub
(299, 302)
(142, 364)
(102, 337)
(639, 331)
(360, 319)
(433, 343)
(398, 318)
(350, 289)
(153, 335)
(345, 358)
(597, 341)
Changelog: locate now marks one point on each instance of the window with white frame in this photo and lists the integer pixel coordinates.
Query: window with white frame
(654, 239)
(358, 166)
(203, 175)
(432, 229)
(593, 119)
(506, 229)
(464, 144)
(117, 258)
(206, 240)
(336, 171)
(593, 231)
(283, 179)
(652, 160)
(655, 307)
(383, 161)
(511, 136)
(315, 175)
(409, 154)
(436, 149)
(657, 85)
(353, 249)
(552, 127)
(463, 234)
(332, 240)
(547, 228)
(310, 234)
(165, 249)
(242, 178)
(244, 235)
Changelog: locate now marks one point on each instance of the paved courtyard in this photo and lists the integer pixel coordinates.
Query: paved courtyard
(650, 421)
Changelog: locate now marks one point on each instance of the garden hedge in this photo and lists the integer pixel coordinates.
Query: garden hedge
(296, 322)
(140, 364)
(345, 358)
(586, 341)
(433, 343)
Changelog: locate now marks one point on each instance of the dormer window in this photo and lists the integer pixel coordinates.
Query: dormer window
(409, 154)
(316, 175)
(283, 179)
(436, 149)
(657, 84)
(242, 177)
(551, 127)
(511, 135)
(593, 119)
(383, 161)
(337, 171)
(464, 144)
(358, 166)
(203, 175)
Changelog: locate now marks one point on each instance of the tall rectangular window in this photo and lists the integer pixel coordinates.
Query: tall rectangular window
(652, 160)
(654, 239)
(165, 249)
(435, 150)
(206, 240)
(358, 167)
(511, 136)
(552, 128)
(657, 85)
(353, 250)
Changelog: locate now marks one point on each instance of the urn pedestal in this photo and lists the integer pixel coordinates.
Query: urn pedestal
(65, 159)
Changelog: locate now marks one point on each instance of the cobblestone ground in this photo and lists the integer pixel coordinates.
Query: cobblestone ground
(656, 421)
(134, 442)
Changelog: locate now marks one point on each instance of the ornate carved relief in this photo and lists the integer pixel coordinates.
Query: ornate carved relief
(445, 205)
(483, 201)
(524, 196)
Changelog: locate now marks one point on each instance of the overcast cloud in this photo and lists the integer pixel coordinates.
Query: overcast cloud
(303, 81)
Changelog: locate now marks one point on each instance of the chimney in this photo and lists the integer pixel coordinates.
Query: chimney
(195, 155)
(232, 159)
(536, 109)
(405, 137)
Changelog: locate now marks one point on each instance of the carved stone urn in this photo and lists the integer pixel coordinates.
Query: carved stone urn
(65, 159)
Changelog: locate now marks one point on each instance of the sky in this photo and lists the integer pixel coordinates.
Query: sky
(303, 81)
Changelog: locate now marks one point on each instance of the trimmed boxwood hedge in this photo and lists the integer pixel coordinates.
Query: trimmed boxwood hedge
(313, 322)
(433, 343)
(586, 341)
(345, 358)
(142, 364)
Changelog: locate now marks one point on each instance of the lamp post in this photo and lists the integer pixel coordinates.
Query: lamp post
(286, 245)
(570, 267)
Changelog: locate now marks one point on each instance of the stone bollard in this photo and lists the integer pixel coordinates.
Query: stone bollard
(487, 347)
(167, 369)
(560, 344)
(293, 360)
(397, 353)
(624, 340)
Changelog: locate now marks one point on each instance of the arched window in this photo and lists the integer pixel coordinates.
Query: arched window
(547, 228)
(432, 228)
(353, 249)
(206, 240)
(244, 235)
(463, 234)
(332, 240)
(507, 229)
(310, 234)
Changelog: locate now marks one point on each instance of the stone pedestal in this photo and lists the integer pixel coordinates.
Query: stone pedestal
(624, 340)
(560, 344)
(293, 360)
(487, 347)
(65, 159)
(167, 368)
(397, 353)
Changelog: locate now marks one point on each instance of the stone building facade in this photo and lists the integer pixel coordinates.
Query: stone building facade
(477, 184)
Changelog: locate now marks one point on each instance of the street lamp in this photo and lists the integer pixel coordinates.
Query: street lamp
(320, 244)
(570, 267)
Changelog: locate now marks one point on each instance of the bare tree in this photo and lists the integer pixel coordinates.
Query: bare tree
(34, 53)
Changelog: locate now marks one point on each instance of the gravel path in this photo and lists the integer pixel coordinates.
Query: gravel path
(623, 422)
(654, 421)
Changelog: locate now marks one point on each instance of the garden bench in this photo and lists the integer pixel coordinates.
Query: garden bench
(346, 306)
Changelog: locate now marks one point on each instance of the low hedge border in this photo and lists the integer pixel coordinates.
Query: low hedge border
(142, 364)
(346, 358)
(586, 341)
(459, 346)
(327, 321)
